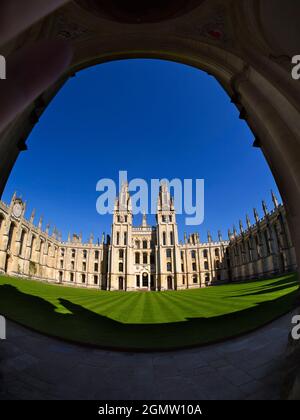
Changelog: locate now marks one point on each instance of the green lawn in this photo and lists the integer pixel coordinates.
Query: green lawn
(153, 320)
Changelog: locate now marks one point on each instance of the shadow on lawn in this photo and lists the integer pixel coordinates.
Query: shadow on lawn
(87, 327)
(275, 286)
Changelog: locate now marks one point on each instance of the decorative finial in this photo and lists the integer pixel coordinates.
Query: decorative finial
(209, 237)
(32, 216)
(248, 222)
(275, 200)
(265, 208)
(144, 223)
(241, 227)
(256, 216)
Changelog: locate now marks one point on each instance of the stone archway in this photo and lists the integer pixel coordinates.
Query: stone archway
(247, 45)
(237, 42)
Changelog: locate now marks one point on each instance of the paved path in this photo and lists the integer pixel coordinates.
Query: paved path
(36, 367)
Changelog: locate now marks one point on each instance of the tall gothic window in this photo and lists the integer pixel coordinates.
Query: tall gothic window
(193, 254)
(164, 238)
(169, 266)
(145, 245)
(171, 238)
(137, 258)
(169, 253)
(125, 238)
(121, 254)
(145, 258)
(22, 241)
(121, 267)
(205, 253)
(118, 238)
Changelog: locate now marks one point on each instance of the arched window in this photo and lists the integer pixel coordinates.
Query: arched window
(145, 258)
(169, 267)
(32, 248)
(164, 238)
(1, 221)
(205, 253)
(121, 254)
(137, 244)
(206, 266)
(217, 252)
(121, 267)
(125, 238)
(71, 277)
(73, 253)
(145, 245)
(85, 254)
(169, 253)
(171, 238)
(11, 235)
(193, 253)
(207, 278)
(195, 279)
(22, 242)
(137, 258)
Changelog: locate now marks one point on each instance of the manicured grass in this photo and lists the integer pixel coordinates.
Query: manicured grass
(153, 320)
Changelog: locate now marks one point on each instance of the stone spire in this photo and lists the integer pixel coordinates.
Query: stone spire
(31, 220)
(248, 222)
(209, 237)
(40, 223)
(234, 231)
(265, 208)
(47, 228)
(91, 238)
(275, 200)
(220, 236)
(54, 233)
(256, 216)
(144, 222)
(241, 227)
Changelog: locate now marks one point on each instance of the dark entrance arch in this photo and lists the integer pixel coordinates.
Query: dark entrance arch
(121, 283)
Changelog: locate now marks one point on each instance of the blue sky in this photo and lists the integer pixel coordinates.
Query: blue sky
(153, 118)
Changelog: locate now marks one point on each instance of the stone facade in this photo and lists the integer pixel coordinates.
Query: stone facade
(144, 257)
